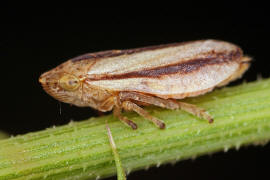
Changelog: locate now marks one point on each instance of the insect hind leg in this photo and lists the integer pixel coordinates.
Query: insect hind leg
(167, 103)
(196, 111)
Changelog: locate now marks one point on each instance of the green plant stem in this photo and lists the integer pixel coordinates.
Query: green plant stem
(81, 150)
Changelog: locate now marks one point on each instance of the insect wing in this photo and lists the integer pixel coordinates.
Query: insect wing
(168, 71)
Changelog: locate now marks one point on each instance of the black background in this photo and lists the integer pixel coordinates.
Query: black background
(33, 43)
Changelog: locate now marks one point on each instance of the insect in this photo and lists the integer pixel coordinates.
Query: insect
(155, 75)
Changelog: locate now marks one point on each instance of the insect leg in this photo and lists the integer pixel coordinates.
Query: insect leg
(167, 103)
(196, 111)
(117, 113)
(128, 105)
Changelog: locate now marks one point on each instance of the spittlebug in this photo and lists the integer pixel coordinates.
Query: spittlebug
(156, 75)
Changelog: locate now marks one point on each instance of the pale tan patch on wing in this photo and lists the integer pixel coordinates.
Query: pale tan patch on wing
(184, 95)
(156, 86)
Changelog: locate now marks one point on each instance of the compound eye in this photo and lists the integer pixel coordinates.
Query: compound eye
(69, 82)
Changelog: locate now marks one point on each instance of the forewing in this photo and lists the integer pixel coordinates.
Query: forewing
(168, 71)
(172, 86)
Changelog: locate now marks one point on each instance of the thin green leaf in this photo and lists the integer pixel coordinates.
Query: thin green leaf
(120, 171)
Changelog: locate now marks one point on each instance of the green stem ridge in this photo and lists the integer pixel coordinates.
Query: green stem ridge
(80, 150)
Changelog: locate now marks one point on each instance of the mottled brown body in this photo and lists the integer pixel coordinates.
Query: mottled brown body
(122, 79)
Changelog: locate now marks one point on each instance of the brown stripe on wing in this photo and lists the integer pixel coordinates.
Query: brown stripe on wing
(182, 67)
(114, 53)
(97, 55)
